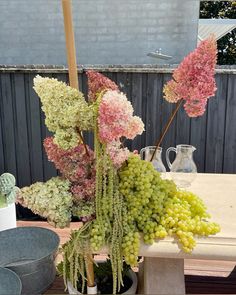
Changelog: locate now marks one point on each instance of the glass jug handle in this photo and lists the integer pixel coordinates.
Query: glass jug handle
(170, 149)
(142, 151)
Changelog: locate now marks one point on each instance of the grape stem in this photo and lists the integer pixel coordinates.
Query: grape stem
(178, 105)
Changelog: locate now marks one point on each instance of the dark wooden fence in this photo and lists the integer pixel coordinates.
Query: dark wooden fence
(22, 128)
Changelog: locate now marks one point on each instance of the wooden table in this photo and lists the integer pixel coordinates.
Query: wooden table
(163, 267)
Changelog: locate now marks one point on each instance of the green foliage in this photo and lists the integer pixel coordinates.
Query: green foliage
(75, 252)
(102, 272)
(218, 9)
(227, 44)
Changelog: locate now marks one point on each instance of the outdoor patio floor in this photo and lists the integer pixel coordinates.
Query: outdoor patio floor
(202, 277)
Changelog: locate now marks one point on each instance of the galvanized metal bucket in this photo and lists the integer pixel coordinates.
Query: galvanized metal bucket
(10, 283)
(30, 253)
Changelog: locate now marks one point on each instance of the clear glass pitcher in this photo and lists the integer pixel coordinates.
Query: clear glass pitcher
(146, 154)
(183, 169)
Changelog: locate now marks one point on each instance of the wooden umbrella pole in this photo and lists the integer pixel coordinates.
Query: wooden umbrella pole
(73, 78)
(89, 270)
(71, 53)
(70, 44)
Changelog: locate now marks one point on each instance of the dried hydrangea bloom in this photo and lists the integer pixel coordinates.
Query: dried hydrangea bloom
(117, 154)
(51, 200)
(75, 165)
(98, 83)
(193, 80)
(65, 109)
(115, 118)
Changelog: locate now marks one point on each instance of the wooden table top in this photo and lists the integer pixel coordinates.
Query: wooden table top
(218, 191)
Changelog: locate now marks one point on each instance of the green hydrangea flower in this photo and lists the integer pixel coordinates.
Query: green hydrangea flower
(51, 200)
(65, 109)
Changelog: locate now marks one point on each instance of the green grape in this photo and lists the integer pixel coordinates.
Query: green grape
(97, 235)
(155, 208)
(130, 247)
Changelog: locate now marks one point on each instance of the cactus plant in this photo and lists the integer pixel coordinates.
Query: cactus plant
(8, 190)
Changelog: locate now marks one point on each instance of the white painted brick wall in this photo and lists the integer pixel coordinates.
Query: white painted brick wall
(106, 31)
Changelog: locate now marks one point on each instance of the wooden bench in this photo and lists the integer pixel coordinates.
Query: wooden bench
(162, 271)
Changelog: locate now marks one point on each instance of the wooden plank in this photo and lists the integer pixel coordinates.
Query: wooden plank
(83, 82)
(34, 130)
(137, 103)
(170, 137)
(21, 132)
(144, 98)
(2, 161)
(198, 140)
(8, 124)
(61, 77)
(216, 127)
(154, 103)
(49, 169)
(124, 82)
(182, 127)
(229, 165)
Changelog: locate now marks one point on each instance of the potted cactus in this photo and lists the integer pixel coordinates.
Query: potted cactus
(8, 192)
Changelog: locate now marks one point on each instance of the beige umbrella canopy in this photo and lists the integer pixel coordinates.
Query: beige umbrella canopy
(219, 27)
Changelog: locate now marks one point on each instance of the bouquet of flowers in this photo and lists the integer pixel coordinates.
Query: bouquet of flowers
(120, 198)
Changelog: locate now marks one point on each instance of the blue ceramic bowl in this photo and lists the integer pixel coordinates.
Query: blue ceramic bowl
(10, 283)
(30, 253)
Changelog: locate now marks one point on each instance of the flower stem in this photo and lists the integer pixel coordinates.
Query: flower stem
(83, 141)
(167, 127)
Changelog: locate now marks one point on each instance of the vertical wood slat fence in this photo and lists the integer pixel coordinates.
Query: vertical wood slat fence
(22, 128)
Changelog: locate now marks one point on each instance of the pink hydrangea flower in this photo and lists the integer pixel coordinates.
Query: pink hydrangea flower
(193, 80)
(117, 154)
(135, 127)
(115, 118)
(75, 165)
(98, 83)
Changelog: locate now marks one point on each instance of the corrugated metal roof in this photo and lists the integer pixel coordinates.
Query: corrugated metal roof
(219, 27)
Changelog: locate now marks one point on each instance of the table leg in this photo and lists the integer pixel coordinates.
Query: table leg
(161, 276)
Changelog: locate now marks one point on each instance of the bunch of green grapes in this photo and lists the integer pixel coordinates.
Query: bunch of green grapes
(131, 239)
(98, 235)
(184, 216)
(156, 209)
(130, 247)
